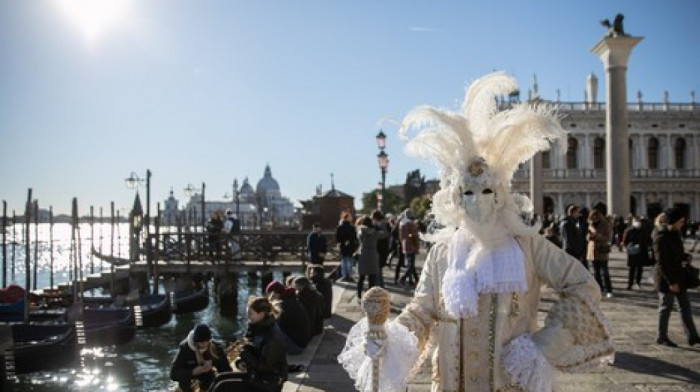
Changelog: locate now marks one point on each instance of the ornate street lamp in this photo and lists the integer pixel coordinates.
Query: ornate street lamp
(383, 160)
(133, 182)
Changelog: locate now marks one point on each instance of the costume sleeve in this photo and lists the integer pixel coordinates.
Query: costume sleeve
(576, 334)
(406, 339)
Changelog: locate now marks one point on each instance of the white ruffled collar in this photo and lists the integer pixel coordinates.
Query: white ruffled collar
(475, 268)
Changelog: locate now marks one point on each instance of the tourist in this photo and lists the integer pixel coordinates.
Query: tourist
(570, 237)
(316, 245)
(198, 360)
(346, 238)
(313, 303)
(368, 259)
(636, 242)
(324, 286)
(262, 361)
(668, 276)
(410, 245)
(294, 320)
(383, 242)
(599, 232)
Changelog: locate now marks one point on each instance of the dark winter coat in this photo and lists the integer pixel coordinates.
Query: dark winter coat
(317, 247)
(186, 360)
(265, 356)
(668, 248)
(315, 306)
(294, 320)
(572, 242)
(368, 262)
(636, 236)
(325, 287)
(346, 238)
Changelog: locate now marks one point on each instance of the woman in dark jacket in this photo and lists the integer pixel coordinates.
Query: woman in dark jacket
(668, 274)
(263, 358)
(368, 261)
(636, 242)
(199, 358)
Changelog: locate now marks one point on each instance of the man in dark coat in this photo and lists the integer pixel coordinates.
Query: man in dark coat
(316, 245)
(668, 274)
(346, 237)
(323, 286)
(313, 303)
(383, 241)
(571, 239)
(294, 320)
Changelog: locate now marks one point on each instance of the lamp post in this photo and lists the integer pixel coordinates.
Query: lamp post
(383, 160)
(236, 200)
(189, 192)
(132, 182)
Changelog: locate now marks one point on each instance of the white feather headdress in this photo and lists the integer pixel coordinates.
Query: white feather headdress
(503, 138)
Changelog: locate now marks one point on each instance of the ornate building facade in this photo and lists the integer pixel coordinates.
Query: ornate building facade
(664, 142)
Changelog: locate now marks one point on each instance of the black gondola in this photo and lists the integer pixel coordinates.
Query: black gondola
(155, 310)
(38, 347)
(108, 325)
(188, 301)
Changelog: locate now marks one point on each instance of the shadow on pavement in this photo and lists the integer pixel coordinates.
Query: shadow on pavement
(647, 365)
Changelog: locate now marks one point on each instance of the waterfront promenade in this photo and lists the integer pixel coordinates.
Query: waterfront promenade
(640, 365)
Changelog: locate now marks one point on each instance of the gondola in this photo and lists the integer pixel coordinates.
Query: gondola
(155, 310)
(36, 347)
(104, 325)
(110, 259)
(108, 325)
(189, 301)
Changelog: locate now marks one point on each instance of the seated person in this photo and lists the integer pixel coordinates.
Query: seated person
(294, 320)
(198, 359)
(263, 358)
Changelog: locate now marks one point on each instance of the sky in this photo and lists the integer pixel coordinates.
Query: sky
(211, 91)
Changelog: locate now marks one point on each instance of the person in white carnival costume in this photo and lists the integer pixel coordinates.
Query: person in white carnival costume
(477, 299)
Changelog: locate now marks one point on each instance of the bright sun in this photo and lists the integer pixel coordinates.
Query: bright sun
(95, 17)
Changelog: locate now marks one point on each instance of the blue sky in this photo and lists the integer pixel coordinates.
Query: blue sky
(209, 91)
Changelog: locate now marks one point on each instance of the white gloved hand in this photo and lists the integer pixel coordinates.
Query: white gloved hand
(374, 347)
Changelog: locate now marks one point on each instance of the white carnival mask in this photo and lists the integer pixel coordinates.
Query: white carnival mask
(478, 196)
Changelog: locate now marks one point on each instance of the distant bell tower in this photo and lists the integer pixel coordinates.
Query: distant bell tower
(592, 89)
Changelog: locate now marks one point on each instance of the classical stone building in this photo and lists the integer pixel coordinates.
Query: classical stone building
(261, 207)
(664, 140)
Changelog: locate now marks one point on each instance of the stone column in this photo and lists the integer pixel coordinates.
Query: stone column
(694, 208)
(560, 203)
(642, 204)
(588, 155)
(614, 52)
(536, 185)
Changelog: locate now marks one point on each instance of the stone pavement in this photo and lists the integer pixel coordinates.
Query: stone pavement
(640, 364)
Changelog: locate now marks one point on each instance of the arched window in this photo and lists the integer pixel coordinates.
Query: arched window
(679, 149)
(571, 154)
(599, 153)
(653, 153)
(546, 163)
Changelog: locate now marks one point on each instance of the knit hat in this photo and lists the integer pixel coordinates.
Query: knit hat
(275, 287)
(673, 215)
(201, 333)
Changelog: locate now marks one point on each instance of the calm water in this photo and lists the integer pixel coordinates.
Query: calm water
(144, 363)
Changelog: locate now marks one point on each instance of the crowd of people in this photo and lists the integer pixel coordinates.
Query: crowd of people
(659, 244)
(282, 322)
(372, 242)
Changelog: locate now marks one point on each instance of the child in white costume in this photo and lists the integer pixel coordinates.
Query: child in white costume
(477, 299)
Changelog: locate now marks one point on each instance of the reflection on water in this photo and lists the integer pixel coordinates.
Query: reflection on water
(140, 365)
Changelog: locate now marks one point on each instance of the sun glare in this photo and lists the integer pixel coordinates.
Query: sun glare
(95, 17)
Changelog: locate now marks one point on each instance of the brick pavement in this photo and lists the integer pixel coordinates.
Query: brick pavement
(640, 365)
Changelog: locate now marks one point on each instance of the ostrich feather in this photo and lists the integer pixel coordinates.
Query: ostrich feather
(518, 134)
(480, 100)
